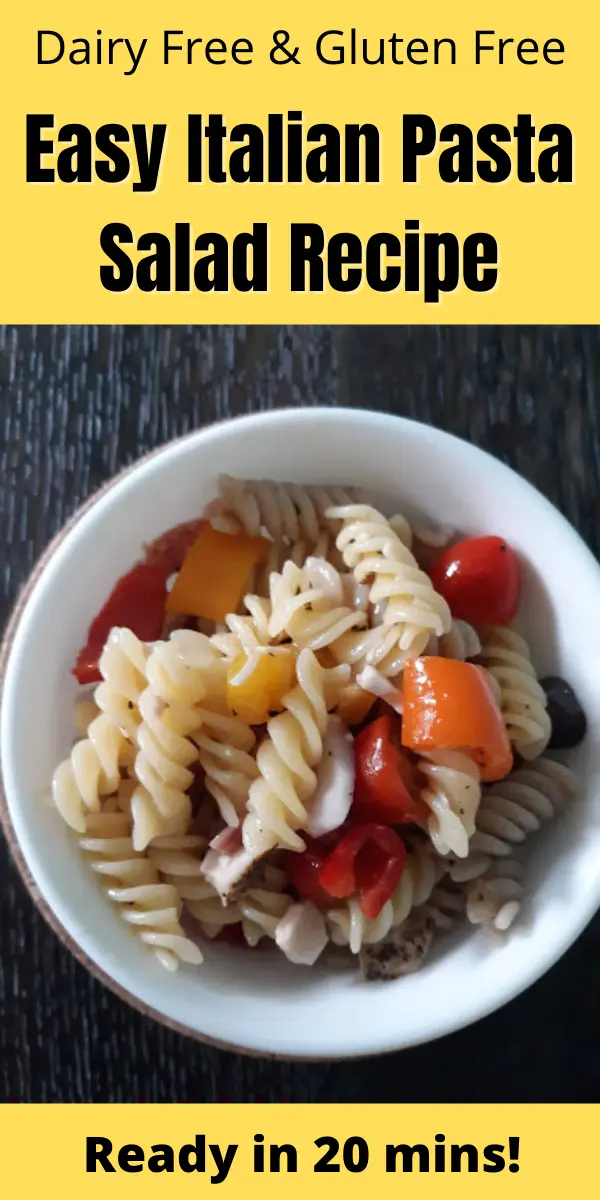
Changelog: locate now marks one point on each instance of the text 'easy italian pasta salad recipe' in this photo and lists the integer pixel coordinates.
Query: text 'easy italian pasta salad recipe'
(313, 725)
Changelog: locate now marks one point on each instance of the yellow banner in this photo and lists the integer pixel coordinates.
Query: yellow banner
(338, 1150)
(321, 163)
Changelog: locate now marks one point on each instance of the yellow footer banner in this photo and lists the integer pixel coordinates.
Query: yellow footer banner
(247, 1150)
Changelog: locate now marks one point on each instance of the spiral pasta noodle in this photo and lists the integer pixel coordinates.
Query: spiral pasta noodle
(413, 610)
(188, 669)
(282, 552)
(347, 926)
(423, 890)
(160, 804)
(261, 912)
(258, 911)
(84, 712)
(250, 630)
(123, 664)
(248, 636)
(93, 768)
(288, 512)
(512, 809)
(453, 794)
(147, 904)
(287, 758)
(461, 642)
(494, 900)
(91, 771)
(419, 531)
(445, 905)
(225, 744)
(314, 616)
(419, 877)
(181, 673)
(178, 859)
(507, 658)
(508, 813)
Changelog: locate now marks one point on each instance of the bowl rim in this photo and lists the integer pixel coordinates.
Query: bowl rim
(6, 824)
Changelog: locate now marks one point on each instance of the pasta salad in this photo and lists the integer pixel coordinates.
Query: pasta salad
(304, 722)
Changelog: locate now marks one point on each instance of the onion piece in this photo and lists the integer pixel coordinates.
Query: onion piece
(373, 681)
(302, 934)
(331, 801)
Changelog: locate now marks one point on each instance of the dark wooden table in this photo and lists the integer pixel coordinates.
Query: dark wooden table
(78, 403)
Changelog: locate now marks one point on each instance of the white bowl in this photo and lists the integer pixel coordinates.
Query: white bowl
(257, 1001)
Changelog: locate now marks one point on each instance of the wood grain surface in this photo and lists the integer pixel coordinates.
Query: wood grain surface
(78, 403)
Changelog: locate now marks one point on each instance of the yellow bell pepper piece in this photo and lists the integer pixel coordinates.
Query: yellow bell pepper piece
(260, 695)
(214, 572)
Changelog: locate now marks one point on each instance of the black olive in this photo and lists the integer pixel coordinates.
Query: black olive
(569, 722)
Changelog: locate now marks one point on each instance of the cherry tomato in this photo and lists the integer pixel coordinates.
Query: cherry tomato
(480, 579)
(386, 787)
(137, 602)
(368, 859)
(303, 871)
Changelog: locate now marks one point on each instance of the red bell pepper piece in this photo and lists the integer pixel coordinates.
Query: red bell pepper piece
(169, 550)
(137, 602)
(368, 859)
(303, 870)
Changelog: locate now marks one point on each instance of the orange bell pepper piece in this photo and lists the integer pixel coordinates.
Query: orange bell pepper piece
(450, 705)
(214, 573)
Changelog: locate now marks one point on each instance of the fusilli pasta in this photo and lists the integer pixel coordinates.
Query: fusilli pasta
(461, 642)
(453, 792)
(347, 926)
(93, 768)
(225, 744)
(178, 859)
(91, 771)
(313, 616)
(494, 900)
(149, 905)
(506, 656)
(422, 871)
(287, 512)
(287, 757)
(181, 672)
(258, 911)
(282, 552)
(123, 664)
(413, 610)
(512, 809)
(445, 905)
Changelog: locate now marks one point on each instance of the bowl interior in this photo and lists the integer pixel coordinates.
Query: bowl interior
(257, 1000)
